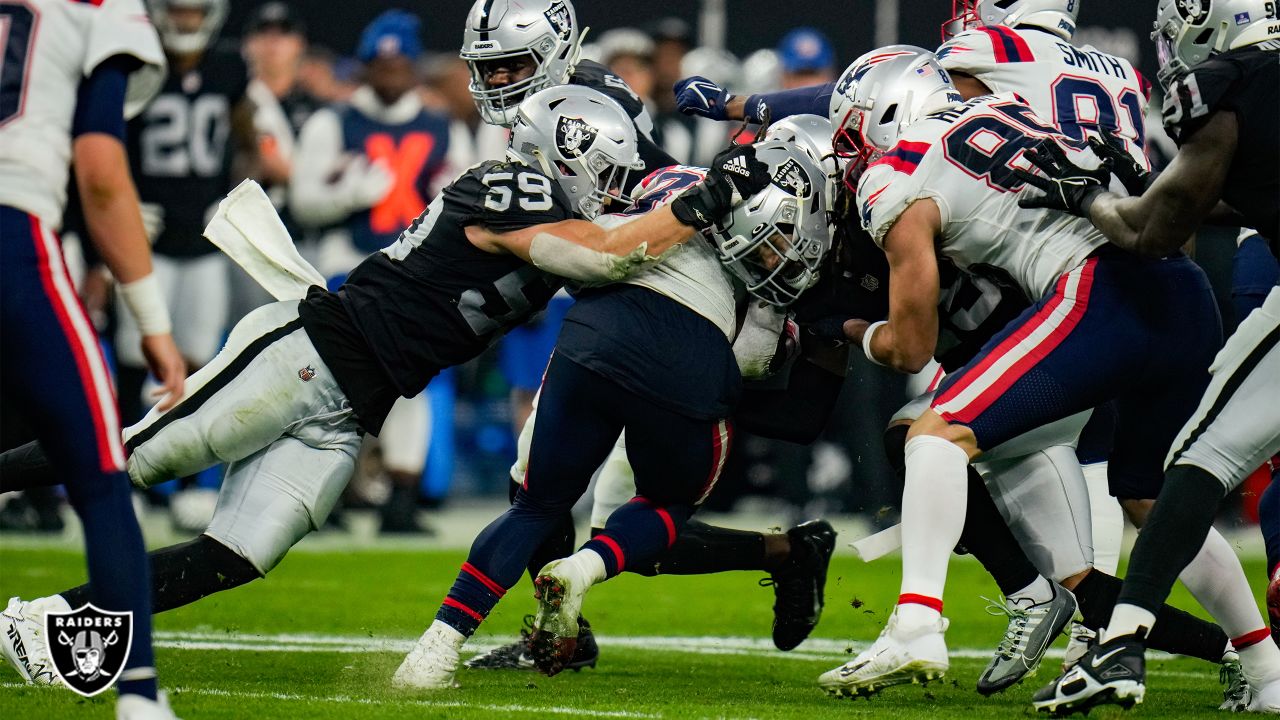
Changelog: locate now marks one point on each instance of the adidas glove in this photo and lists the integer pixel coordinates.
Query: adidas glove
(1110, 148)
(701, 97)
(734, 176)
(1067, 186)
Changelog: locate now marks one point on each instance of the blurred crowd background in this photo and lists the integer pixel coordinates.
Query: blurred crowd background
(316, 67)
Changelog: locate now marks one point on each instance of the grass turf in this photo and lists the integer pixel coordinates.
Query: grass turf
(371, 596)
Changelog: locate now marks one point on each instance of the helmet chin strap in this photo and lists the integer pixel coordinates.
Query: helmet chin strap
(576, 52)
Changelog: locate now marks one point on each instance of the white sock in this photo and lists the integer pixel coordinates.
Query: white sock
(1217, 581)
(1261, 663)
(933, 509)
(1039, 591)
(1126, 619)
(1107, 518)
(440, 631)
(589, 564)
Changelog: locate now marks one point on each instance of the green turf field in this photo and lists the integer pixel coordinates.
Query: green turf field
(321, 637)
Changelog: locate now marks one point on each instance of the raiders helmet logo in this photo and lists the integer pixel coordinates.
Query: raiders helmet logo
(1194, 11)
(558, 16)
(574, 136)
(792, 178)
(88, 647)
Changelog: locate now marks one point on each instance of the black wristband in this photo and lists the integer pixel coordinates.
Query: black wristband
(691, 214)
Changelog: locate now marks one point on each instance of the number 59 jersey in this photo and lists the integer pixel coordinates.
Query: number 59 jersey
(963, 158)
(46, 48)
(1075, 88)
(432, 300)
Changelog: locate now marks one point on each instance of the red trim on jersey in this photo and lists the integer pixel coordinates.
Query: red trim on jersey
(458, 604)
(1008, 45)
(78, 332)
(925, 600)
(474, 572)
(1017, 343)
(1251, 639)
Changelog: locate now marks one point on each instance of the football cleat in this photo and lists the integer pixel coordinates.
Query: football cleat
(136, 707)
(517, 656)
(896, 658)
(1082, 638)
(1032, 628)
(1235, 687)
(1113, 672)
(432, 664)
(560, 589)
(799, 584)
(24, 643)
(1265, 699)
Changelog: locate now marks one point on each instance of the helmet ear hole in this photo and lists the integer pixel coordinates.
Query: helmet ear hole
(1204, 36)
(890, 114)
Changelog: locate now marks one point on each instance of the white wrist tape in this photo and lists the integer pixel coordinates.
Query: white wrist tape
(146, 303)
(866, 341)
(568, 259)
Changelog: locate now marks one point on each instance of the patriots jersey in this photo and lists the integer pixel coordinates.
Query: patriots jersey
(597, 77)
(432, 300)
(1245, 82)
(46, 48)
(690, 274)
(1078, 89)
(963, 158)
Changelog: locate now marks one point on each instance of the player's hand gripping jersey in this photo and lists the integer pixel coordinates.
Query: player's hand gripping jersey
(1245, 82)
(52, 45)
(1074, 88)
(964, 159)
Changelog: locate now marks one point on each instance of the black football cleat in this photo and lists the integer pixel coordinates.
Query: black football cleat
(517, 656)
(1112, 673)
(799, 584)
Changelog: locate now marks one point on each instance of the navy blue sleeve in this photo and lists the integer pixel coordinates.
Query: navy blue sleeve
(100, 98)
(812, 100)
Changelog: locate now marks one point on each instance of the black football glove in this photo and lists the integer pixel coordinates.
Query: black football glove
(734, 176)
(1111, 150)
(1067, 186)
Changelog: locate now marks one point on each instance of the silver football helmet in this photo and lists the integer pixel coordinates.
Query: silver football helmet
(1056, 16)
(1188, 32)
(580, 138)
(185, 41)
(882, 93)
(812, 134)
(774, 242)
(542, 32)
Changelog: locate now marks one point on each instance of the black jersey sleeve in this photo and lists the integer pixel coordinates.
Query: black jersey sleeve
(1223, 82)
(508, 196)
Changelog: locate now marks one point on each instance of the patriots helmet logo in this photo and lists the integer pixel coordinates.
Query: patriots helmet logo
(558, 16)
(574, 136)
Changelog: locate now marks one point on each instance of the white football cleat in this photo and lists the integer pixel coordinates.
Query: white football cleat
(560, 588)
(1082, 638)
(24, 643)
(433, 662)
(896, 658)
(1265, 699)
(136, 707)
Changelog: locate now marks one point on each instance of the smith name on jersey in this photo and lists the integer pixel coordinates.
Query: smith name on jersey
(432, 300)
(963, 158)
(1076, 88)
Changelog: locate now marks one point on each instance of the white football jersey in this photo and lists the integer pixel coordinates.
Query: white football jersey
(1075, 88)
(46, 48)
(964, 159)
(691, 274)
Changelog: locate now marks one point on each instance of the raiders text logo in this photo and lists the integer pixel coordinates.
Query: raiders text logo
(1194, 11)
(792, 178)
(89, 646)
(574, 136)
(558, 16)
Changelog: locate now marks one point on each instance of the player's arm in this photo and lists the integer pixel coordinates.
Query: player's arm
(1181, 198)
(905, 342)
(114, 221)
(704, 98)
(245, 134)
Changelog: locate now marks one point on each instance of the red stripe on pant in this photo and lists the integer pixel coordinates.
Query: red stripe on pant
(110, 453)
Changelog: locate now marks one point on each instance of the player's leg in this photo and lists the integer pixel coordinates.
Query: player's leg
(1269, 520)
(577, 423)
(404, 438)
(54, 371)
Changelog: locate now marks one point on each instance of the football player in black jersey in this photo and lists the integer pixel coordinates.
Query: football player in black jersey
(286, 401)
(1220, 67)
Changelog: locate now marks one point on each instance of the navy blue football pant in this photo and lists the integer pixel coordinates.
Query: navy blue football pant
(53, 372)
(676, 459)
(1140, 332)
